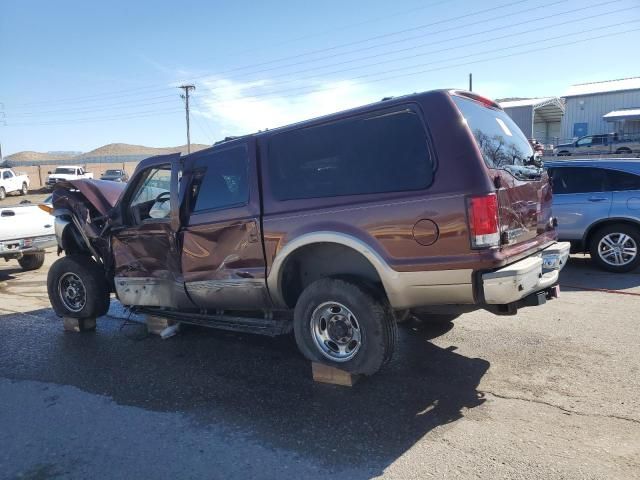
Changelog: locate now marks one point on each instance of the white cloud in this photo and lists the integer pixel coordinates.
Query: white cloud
(238, 108)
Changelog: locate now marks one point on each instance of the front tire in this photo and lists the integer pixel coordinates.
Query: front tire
(615, 248)
(342, 324)
(3, 193)
(623, 151)
(77, 287)
(24, 190)
(32, 261)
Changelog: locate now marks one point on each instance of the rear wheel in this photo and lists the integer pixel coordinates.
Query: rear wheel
(615, 248)
(32, 261)
(342, 324)
(623, 151)
(3, 194)
(77, 287)
(24, 190)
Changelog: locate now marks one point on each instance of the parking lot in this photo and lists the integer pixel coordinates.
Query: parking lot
(551, 393)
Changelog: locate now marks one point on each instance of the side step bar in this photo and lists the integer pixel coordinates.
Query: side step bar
(261, 326)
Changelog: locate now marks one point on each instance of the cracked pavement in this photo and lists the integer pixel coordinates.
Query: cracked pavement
(551, 393)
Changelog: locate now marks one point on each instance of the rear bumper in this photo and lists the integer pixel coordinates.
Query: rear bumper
(534, 274)
(17, 248)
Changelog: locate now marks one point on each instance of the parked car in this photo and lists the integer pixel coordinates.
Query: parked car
(115, 176)
(67, 172)
(333, 228)
(12, 182)
(604, 144)
(26, 230)
(597, 203)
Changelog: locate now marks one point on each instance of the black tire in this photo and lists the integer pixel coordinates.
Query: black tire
(373, 316)
(32, 261)
(95, 300)
(3, 194)
(24, 190)
(614, 230)
(439, 318)
(564, 153)
(623, 151)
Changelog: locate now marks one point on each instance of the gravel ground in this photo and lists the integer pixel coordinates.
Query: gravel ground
(553, 393)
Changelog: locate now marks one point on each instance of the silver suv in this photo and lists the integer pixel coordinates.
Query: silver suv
(597, 204)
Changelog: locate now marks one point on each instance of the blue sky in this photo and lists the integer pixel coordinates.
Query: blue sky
(76, 74)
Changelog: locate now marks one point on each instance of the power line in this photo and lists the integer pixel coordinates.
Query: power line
(442, 67)
(437, 51)
(114, 106)
(131, 92)
(278, 92)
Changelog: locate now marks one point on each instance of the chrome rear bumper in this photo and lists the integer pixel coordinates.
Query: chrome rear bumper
(530, 275)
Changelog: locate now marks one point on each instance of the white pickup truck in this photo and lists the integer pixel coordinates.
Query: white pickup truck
(67, 172)
(12, 182)
(25, 231)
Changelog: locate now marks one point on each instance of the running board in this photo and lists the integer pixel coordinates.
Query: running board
(260, 326)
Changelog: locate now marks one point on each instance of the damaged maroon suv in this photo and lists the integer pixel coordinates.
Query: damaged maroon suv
(337, 228)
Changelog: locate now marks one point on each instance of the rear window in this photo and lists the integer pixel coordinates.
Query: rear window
(500, 140)
(65, 171)
(383, 152)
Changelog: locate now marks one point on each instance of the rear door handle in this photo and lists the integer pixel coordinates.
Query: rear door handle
(597, 199)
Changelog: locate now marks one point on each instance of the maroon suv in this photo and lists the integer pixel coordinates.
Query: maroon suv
(337, 228)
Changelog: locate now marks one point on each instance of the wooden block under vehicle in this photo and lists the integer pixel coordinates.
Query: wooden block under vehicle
(79, 324)
(156, 325)
(335, 376)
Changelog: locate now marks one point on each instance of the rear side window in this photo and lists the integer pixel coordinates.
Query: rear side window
(501, 142)
(220, 179)
(620, 181)
(384, 152)
(577, 180)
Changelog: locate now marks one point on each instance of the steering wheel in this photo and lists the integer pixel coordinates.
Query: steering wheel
(163, 197)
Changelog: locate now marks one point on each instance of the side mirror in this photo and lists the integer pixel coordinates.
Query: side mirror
(49, 172)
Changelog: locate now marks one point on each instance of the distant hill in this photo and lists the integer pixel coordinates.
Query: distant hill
(106, 151)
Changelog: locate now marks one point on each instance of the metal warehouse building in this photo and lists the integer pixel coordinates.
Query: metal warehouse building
(538, 118)
(602, 107)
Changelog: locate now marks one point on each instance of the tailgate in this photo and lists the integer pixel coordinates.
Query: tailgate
(524, 208)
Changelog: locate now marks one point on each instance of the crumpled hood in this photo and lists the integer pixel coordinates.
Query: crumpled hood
(102, 194)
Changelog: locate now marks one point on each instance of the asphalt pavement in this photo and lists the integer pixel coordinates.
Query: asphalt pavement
(552, 393)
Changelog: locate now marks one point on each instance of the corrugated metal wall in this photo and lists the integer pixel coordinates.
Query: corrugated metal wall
(592, 110)
(523, 117)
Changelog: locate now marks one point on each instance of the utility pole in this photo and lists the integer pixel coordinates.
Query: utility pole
(186, 89)
(471, 82)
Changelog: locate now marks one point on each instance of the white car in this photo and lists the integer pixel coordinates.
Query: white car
(25, 231)
(67, 172)
(12, 182)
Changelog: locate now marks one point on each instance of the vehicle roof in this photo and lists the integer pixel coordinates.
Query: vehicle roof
(626, 164)
(385, 102)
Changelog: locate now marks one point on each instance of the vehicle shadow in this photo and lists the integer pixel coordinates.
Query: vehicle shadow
(9, 273)
(256, 385)
(581, 273)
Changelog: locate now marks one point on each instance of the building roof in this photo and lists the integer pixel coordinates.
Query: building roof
(625, 114)
(603, 87)
(527, 102)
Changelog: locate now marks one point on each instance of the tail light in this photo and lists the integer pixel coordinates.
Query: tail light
(483, 221)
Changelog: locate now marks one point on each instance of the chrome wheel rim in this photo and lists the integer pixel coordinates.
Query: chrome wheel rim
(617, 249)
(72, 292)
(336, 331)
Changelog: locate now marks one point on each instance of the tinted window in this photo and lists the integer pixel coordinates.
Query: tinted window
(65, 171)
(620, 181)
(7, 174)
(221, 179)
(583, 142)
(577, 180)
(383, 152)
(501, 143)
